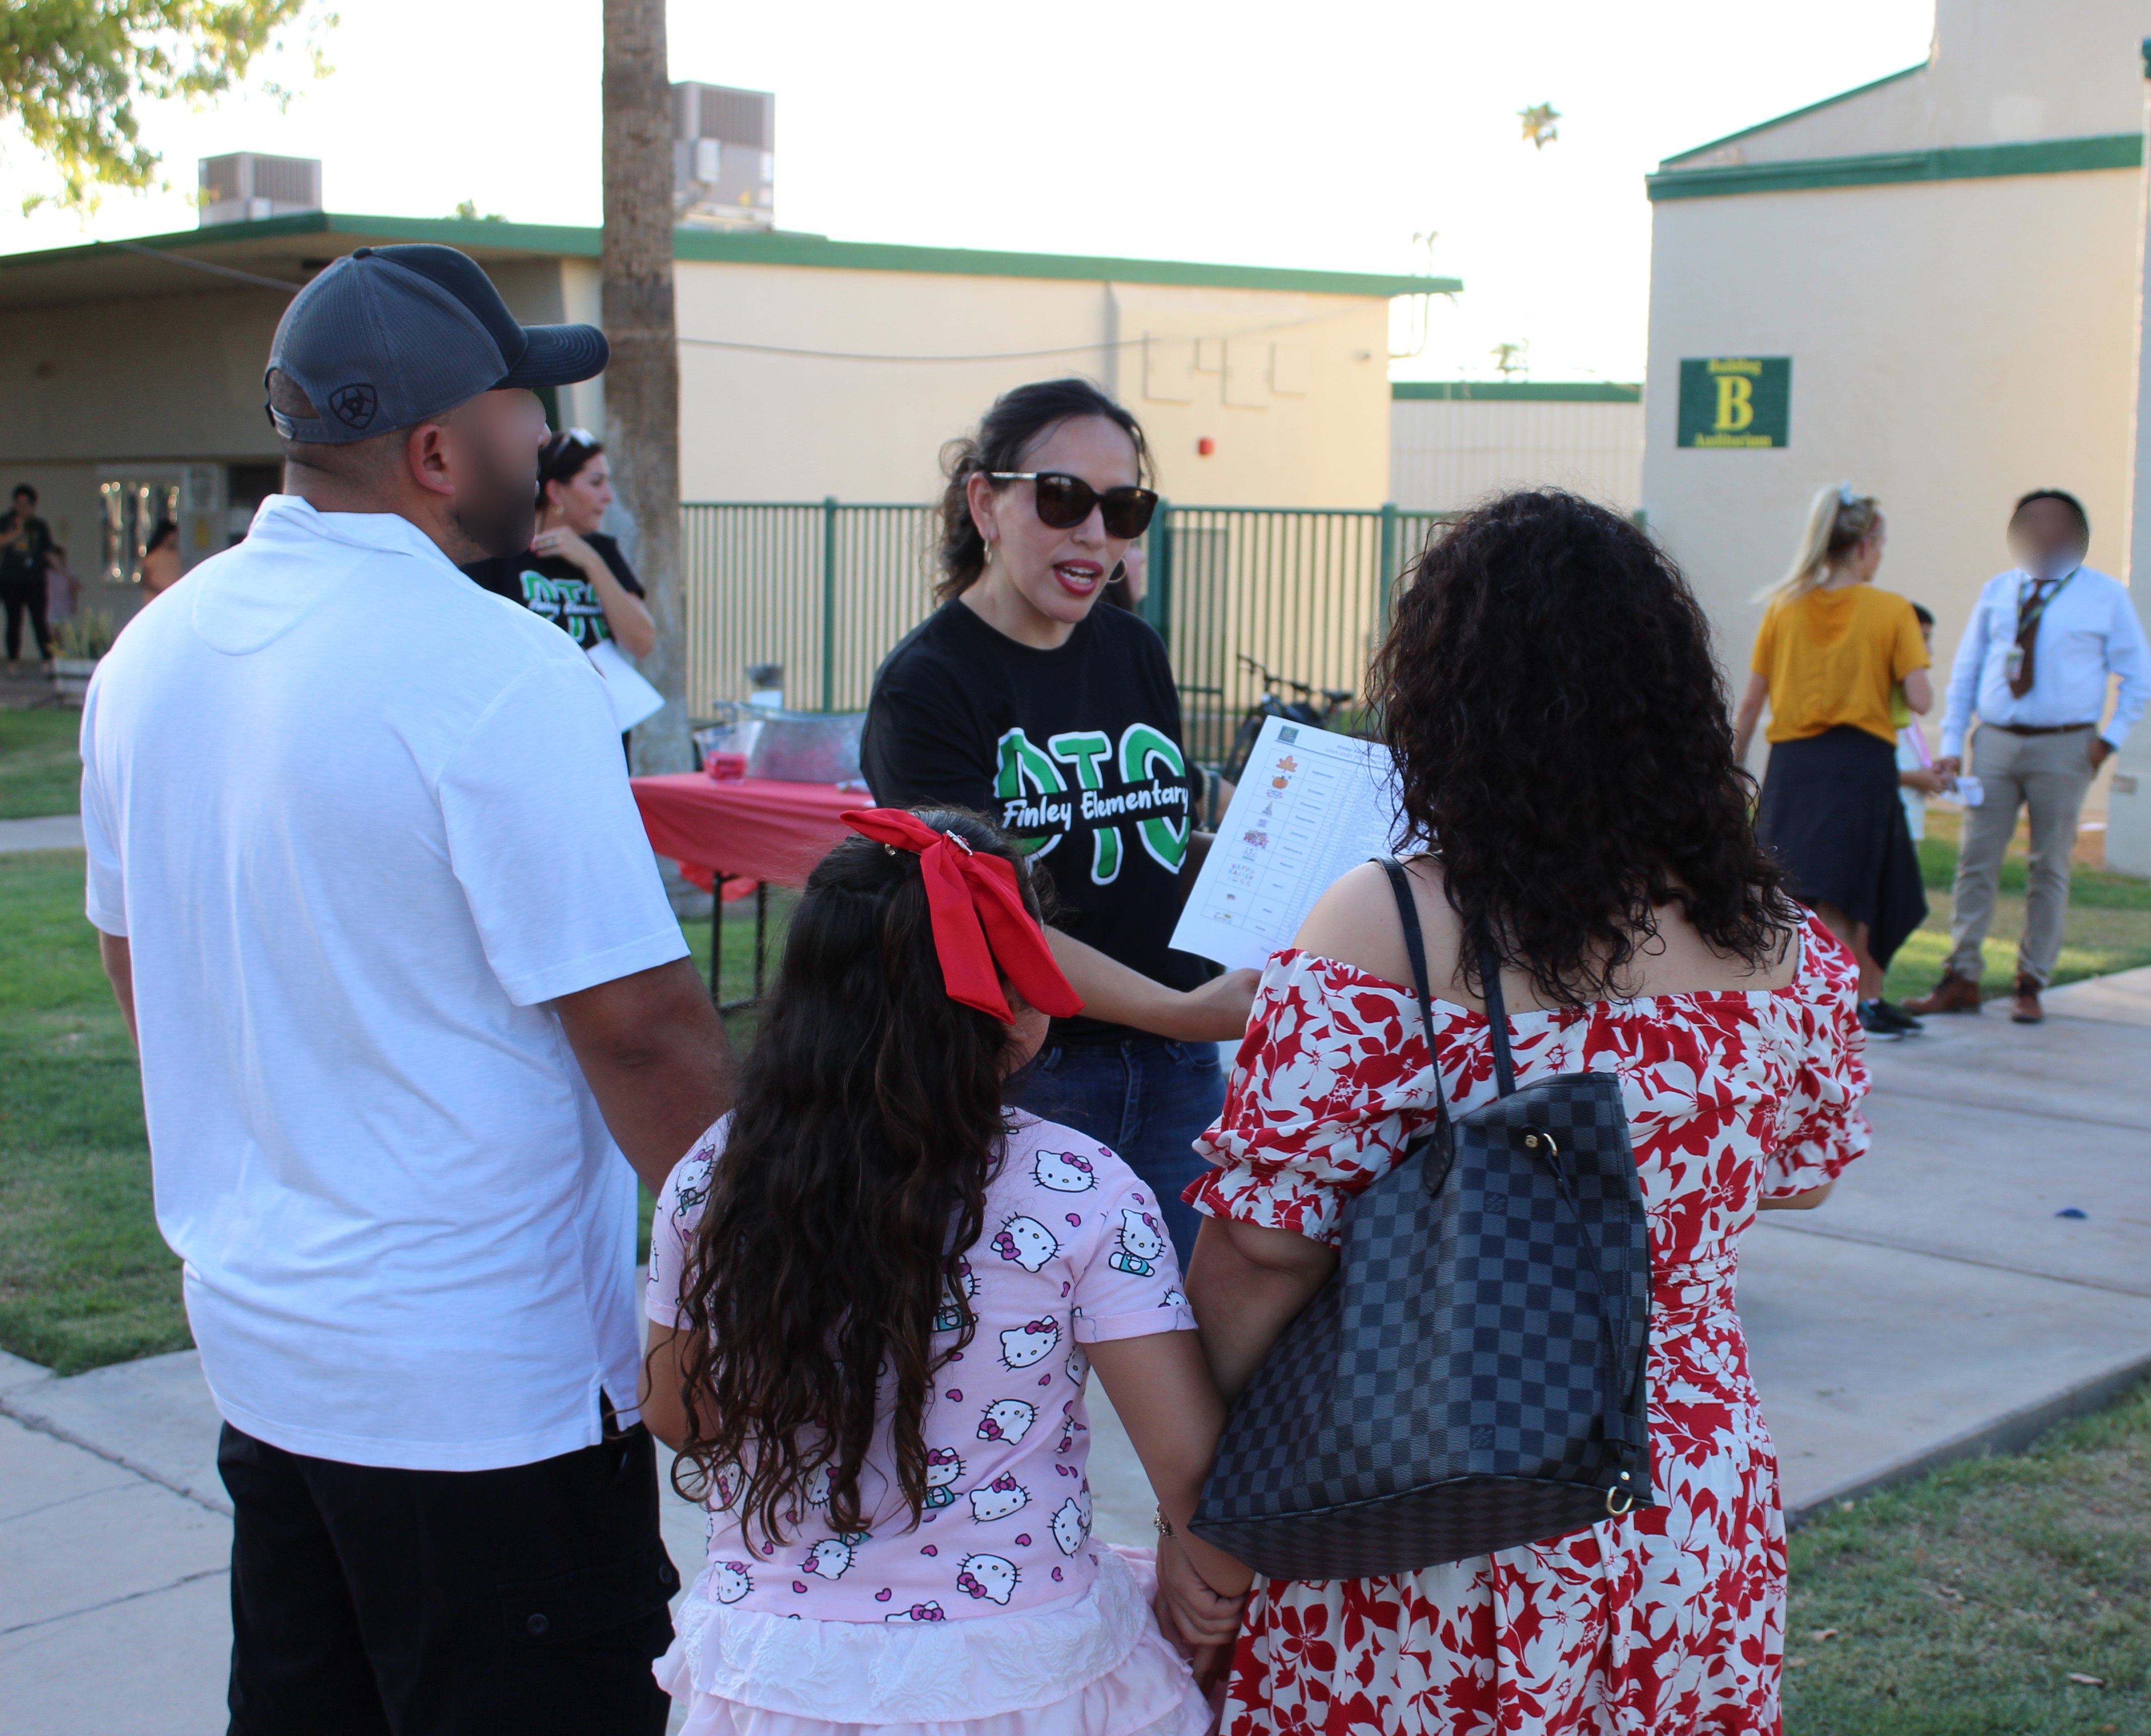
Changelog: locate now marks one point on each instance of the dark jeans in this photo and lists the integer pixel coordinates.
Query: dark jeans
(1147, 1098)
(377, 1602)
(16, 599)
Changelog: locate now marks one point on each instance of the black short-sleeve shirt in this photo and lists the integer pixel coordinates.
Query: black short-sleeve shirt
(557, 590)
(1076, 751)
(26, 547)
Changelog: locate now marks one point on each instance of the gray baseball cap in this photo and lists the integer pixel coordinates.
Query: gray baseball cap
(388, 336)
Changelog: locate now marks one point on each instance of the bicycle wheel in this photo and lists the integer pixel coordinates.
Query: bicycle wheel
(1244, 743)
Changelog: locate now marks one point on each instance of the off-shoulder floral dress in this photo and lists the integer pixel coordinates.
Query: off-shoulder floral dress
(1669, 1621)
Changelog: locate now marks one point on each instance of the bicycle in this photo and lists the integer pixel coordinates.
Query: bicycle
(1301, 710)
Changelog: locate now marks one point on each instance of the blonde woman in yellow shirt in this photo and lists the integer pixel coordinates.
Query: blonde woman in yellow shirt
(1831, 652)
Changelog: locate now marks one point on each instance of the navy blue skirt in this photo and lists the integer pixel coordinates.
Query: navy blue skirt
(1832, 815)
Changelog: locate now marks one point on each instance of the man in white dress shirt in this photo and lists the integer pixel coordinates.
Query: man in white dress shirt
(2043, 641)
(374, 897)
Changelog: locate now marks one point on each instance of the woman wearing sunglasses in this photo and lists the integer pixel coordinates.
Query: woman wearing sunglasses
(574, 575)
(1021, 699)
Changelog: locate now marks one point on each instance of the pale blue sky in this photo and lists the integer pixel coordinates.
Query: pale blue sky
(1314, 136)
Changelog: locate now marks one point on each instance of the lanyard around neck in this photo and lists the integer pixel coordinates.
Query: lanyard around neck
(2031, 610)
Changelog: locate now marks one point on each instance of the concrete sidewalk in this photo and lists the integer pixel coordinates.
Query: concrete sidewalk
(1936, 1304)
(114, 1617)
(49, 831)
(1935, 1307)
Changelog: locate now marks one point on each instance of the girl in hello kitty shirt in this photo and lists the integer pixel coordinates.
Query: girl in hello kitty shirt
(876, 1294)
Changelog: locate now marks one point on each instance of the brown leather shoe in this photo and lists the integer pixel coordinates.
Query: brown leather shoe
(2024, 1008)
(1955, 993)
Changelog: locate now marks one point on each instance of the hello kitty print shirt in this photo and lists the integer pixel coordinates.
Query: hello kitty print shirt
(1074, 1253)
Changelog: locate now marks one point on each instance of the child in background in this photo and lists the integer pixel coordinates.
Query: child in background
(1917, 776)
(876, 1293)
(61, 588)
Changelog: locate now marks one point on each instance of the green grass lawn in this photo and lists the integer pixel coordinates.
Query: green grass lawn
(2108, 928)
(1972, 1602)
(39, 771)
(85, 1279)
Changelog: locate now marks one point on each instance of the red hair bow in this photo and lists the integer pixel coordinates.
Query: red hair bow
(979, 919)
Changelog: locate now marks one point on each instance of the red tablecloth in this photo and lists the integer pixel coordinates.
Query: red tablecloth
(751, 830)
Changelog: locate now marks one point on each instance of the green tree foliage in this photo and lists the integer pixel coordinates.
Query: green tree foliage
(71, 72)
(1539, 125)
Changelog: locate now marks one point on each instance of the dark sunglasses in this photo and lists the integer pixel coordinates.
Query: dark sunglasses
(1064, 502)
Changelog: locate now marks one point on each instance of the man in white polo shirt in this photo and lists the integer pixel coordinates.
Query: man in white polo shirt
(373, 890)
(2044, 641)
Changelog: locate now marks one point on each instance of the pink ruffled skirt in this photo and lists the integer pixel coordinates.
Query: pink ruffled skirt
(1098, 1668)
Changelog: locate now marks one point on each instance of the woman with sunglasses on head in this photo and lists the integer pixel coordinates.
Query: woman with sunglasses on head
(1834, 655)
(1021, 699)
(575, 575)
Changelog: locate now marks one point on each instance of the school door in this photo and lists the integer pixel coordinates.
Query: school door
(134, 497)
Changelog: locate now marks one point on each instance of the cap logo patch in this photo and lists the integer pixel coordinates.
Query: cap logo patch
(355, 405)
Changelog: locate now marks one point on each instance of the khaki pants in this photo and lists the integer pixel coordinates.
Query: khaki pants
(2050, 775)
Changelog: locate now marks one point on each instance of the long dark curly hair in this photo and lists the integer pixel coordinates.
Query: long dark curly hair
(1561, 728)
(1018, 418)
(871, 1116)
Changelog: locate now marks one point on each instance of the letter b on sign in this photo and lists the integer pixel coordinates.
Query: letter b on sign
(1737, 402)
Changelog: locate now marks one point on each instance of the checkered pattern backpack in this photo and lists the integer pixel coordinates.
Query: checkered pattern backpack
(1472, 1375)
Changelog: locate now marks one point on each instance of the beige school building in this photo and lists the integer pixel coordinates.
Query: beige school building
(809, 368)
(1930, 286)
(1456, 442)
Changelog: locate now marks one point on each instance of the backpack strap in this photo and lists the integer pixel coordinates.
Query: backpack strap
(1497, 1014)
(1490, 969)
(1415, 946)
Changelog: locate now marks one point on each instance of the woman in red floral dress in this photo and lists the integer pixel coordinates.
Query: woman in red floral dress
(1549, 692)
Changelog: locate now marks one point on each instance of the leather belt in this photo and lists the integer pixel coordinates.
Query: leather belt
(2041, 729)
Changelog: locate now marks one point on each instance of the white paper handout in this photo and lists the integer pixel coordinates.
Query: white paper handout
(633, 698)
(1310, 805)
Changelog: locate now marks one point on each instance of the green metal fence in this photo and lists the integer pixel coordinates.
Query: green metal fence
(822, 589)
(1302, 591)
(826, 588)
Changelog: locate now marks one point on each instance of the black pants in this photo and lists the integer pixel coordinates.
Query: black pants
(18, 598)
(524, 1601)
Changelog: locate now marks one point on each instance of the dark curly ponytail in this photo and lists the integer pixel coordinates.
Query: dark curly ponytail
(1006, 433)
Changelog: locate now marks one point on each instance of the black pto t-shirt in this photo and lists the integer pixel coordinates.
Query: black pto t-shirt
(557, 590)
(1076, 751)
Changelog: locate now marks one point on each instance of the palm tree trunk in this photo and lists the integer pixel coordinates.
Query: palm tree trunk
(642, 384)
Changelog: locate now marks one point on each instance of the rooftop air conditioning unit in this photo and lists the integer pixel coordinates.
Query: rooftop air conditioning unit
(724, 157)
(247, 186)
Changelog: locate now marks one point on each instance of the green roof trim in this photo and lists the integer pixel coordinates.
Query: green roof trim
(1827, 102)
(1515, 392)
(777, 247)
(452, 231)
(1954, 163)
